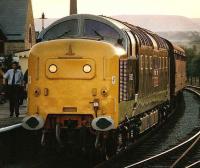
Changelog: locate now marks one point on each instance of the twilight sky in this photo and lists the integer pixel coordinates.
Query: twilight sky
(60, 8)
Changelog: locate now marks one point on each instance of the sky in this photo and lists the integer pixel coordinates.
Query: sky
(60, 8)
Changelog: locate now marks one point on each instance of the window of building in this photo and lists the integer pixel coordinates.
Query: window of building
(30, 35)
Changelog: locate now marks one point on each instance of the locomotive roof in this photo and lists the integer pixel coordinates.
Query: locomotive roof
(81, 18)
(77, 25)
(178, 50)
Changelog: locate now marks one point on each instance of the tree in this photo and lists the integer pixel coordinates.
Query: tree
(8, 59)
(190, 55)
(196, 65)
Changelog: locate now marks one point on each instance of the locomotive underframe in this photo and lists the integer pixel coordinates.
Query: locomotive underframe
(83, 136)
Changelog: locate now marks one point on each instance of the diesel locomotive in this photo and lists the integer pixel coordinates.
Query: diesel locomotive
(97, 81)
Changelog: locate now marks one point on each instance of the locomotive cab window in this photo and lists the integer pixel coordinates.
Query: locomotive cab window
(63, 30)
(93, 28)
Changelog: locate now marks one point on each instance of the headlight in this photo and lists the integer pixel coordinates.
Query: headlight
(52, 68)
(87, 68)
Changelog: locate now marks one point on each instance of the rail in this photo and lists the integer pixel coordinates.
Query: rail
(193, 164)
(165, 152)
(192, 90)
(197, 87)
(9, 128)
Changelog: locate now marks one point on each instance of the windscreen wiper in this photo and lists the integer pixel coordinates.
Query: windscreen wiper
(98, 34)
(65, 33)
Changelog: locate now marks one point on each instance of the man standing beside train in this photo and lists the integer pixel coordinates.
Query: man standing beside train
(14, 78)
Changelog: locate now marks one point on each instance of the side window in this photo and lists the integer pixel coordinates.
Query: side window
(155, 62)
(62, 30)
(150, 62)
(166, 62)
(146, 62)
(141, 62)
(160, 64)
(101, 30)
(163, 58)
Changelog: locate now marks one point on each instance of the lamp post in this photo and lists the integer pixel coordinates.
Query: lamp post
(42, 19)
(73, 7)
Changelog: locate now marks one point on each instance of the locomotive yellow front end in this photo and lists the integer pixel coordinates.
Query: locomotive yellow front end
(73, 84)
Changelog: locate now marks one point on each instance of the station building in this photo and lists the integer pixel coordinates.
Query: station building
(17, 30)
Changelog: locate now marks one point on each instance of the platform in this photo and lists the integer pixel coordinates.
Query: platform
(6, 120)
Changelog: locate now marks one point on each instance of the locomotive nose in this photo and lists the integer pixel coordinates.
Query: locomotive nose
(34, 122)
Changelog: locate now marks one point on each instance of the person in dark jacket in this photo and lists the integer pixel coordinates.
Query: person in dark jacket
(25, 83)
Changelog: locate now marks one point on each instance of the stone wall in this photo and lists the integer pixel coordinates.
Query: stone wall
(13, 47)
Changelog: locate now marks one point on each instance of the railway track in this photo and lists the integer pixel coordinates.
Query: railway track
(185, 154)
(173, 157)
(177, 130)
(165, 139)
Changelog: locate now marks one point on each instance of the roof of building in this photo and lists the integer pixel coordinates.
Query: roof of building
(2, 35)
(13, 18)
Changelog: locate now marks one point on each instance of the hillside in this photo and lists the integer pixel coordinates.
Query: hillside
(196, 20)
(161, 23)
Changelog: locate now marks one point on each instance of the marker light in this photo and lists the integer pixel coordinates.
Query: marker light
(87, 68)
(52, 68)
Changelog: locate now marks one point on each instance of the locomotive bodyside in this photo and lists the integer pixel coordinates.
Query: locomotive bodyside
(180, 77)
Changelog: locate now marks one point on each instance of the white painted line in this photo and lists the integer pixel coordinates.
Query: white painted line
(8, 128)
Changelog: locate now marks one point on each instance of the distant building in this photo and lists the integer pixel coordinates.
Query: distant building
(22, 59)
(17, 30)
